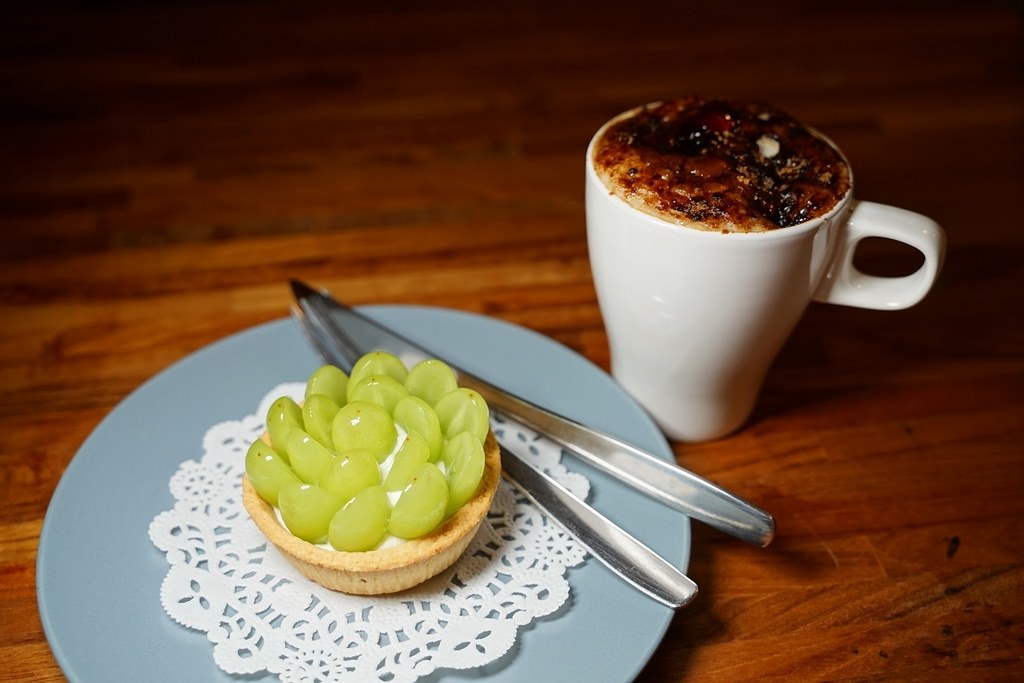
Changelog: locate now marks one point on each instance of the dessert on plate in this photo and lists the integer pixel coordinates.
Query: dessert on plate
(376, 481)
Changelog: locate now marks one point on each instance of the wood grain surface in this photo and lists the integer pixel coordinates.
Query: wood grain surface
(165, 168)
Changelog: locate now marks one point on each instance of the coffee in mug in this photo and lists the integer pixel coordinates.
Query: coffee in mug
(721, 166)
(711, 225)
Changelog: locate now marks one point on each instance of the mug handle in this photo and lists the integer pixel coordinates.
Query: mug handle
(844, 284)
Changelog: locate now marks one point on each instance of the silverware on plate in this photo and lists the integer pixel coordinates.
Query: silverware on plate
(626, 556)
(345, 333)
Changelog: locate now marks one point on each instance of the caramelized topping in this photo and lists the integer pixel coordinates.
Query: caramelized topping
(721, 165)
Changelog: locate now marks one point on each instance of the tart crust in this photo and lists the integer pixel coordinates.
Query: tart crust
(389, 570)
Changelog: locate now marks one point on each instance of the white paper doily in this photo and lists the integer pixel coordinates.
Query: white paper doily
(260, 615)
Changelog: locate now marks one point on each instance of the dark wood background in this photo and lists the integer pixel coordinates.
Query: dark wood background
(166, 167)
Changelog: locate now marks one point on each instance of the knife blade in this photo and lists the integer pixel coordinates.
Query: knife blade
(609, 543)
(666, 482)
(626, 556)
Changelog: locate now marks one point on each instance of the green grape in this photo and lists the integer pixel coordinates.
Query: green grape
(464, 468)
(362, 522)
(364, 426)
(284, 415)
(408, 460)
(317, 416)
(421, 505)
(463, 410)
(414, 414)
(310, 458)
(430, 380)
(384, 390)
(307, 510)
(329, 381)
(351, 472)
(376, 363)
(267, 471)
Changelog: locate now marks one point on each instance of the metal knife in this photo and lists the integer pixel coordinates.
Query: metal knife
(666, 482)
(609, 543)
(626, 556)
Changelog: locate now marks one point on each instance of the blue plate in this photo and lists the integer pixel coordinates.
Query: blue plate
(98, 575)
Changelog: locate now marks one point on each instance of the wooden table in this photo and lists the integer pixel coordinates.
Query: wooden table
(165, 170)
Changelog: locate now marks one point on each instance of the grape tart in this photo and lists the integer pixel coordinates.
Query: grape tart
(421, 507)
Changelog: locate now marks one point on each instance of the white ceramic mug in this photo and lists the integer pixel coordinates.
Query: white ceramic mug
(695, 318)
